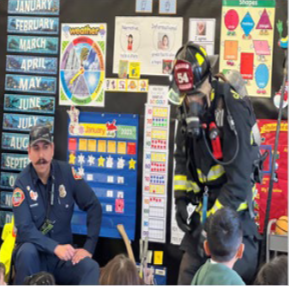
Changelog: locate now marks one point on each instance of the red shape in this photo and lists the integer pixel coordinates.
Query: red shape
(119, 205)
(231, 20)
(72, 144)
(131, 148)
(247, 65)
(111, 126)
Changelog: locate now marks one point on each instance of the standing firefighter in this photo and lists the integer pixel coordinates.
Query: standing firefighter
(217, 157)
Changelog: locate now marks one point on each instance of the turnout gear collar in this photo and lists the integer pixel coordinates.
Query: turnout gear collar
(191, 68)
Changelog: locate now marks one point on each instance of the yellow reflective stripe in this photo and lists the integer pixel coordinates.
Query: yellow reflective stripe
(204, 51)
(180, 178)
(192, 186)
(254, 191)
(242, 207)
(199, 58)
(215, 173)
(180, 188)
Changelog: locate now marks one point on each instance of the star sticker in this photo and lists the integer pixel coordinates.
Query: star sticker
(132, 163)
(120, 163)
(72, 158)
(109, 162)
(91, 160)
(101, 161)
(81, 159)
(81, 171)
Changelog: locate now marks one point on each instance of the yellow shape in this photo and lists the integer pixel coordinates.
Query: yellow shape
(102, 146)
(121, 147)
(72, 158)
(132, 163)
(101, 161)
(158, 257)
(92, 145)
(111, 146)
(82, 145)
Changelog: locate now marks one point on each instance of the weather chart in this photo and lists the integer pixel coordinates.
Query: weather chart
(82, 64)
(103, 149)
(247, 42)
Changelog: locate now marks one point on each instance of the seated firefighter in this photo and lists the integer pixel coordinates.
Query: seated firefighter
(217, 157)
(43, 202)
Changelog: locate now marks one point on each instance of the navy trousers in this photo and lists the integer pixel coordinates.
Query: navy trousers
(28, 261)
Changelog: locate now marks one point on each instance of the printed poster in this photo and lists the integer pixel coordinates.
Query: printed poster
(82, 64)
(153, 41)
(103, 149)
(247, 38)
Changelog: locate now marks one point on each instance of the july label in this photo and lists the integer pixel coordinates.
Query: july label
(14, 141)
(34, 7)
(33, 25)
(26, 83)
(22, 122)
(15, 162)
(29, 44)
(29, 103)
(7, 180)
(31, 64)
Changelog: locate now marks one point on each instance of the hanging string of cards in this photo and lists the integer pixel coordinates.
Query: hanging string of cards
(103, 150)
(36, 34)
(155, 165)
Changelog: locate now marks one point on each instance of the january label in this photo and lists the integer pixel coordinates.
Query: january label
(6, 200)
(30, 44)
(33, 25)
(5, 217)
(27, 83)
(31, 64)
(22, 122)
(14, 141)
(29, 103)
(7, 180)
(34, 7)
(15, 162)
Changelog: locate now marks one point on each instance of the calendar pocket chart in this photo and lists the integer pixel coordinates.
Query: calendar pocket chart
(6, 200)
(7, 180)
(16, 162)
(15, 141)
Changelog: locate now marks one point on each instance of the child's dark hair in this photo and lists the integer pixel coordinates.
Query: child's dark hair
(273, 272)
(2, 269)
(40, 278)
(224, 234)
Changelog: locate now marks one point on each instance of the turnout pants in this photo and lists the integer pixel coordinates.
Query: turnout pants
(28, 261)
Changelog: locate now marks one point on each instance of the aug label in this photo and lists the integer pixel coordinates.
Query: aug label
(29, 103)
(22, 122)
(29, 44)
(27, 83)
(31, 64)
(33, 25)
(15, 141)
(33, 7)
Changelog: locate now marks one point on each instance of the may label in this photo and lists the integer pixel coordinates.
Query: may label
(15, 141)
(31, 64)
(6, 200)
(34, 7)
(33, 25)
(29, 103)
(7, 180)
(30, 44)
(22, 122)
(27, 83)
(15, 162)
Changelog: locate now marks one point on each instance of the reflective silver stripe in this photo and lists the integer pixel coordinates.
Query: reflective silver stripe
(192, 186)
(180, 183)
(215, 173)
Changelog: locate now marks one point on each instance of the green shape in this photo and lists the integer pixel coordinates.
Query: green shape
(64, 45)
(62, 95)
(102, 45)
(126, 132)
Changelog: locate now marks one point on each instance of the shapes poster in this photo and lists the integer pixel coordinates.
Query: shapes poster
(82, 64)
(247, 36)
(153, 41)
(103, 149)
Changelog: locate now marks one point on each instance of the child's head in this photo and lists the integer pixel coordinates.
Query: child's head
(224, 236)
(120, 271)
(273, 272)
(130, 38)
(2, 273)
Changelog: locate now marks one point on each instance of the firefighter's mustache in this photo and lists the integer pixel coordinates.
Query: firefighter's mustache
(41, 161)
